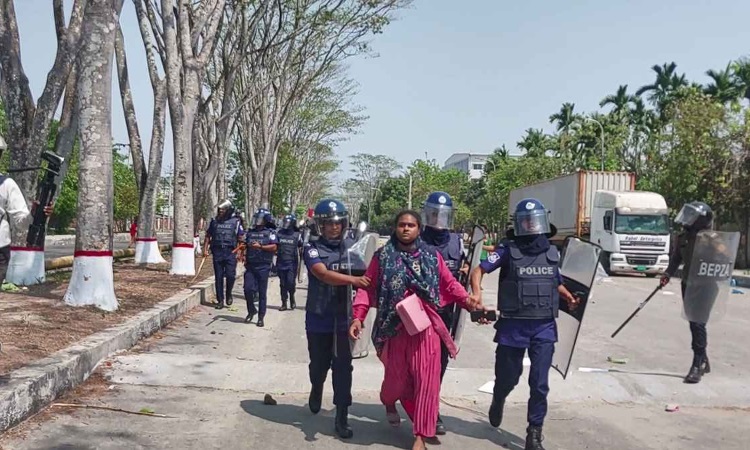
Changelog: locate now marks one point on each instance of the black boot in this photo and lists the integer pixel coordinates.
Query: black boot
(316, 398)
(249, 317)
(699, 368)
(440, 428)
(534, 438)
(292, 303)
(496, 412)
(342, 422)
(283, 306)
(260, 322)
(220, 305)
(230, 300)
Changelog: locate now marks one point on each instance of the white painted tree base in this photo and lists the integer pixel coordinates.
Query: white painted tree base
(92, 283)
(183, 261)
(26, 267)
(147, 252)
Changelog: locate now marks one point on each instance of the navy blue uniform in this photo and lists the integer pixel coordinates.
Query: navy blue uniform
(451, 249)
(528, 300)
(258, 268)
(326, 321)
(287, 259)
(224, 234)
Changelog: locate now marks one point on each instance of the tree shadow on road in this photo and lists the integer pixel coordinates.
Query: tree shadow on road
(369, 425)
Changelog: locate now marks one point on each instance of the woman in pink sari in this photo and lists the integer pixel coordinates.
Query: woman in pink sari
(406, 266)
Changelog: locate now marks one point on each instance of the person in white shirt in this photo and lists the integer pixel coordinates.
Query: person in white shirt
(14, 214)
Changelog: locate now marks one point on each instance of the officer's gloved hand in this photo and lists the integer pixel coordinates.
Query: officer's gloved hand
(664, 280)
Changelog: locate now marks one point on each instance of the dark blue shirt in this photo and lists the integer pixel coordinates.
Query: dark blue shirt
(316, 323)
(518, 332)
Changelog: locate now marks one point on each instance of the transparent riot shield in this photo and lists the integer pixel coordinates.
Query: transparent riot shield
(708, 285)
(302, 268)
(578, 264)
(475, 252)
(358, 258)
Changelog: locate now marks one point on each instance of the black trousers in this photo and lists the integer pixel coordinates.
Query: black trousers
(287, 282)
(447, 314)
(509, 367)
(4, 261)
(698, 333)
(322, 359)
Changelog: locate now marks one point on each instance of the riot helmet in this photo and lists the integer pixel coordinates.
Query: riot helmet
(225, 210)
(262, 217)
(695, 216)
(330, 211)
(290, 222)
(530, 218)
(437, 211)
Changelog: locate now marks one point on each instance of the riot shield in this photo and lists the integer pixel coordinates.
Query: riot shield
(708, 281)
(578, 264)
(475, 252)
(358, 258)
(302, 268)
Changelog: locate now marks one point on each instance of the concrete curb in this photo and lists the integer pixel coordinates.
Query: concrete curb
(66, 239)
(27, 390)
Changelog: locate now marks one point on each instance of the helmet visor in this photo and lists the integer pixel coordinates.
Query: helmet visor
(529, 223)
(688, 215)
(288, 223)
(437, 216)
(259, 219)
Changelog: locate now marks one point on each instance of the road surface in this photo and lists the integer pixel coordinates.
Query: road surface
(65, 248)
(210, 373)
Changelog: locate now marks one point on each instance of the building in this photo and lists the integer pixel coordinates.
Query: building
(471, 164)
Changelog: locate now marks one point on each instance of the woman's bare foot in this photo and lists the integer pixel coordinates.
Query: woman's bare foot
(419, 444)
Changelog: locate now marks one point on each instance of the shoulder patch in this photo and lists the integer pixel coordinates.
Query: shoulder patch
(493, 257)
(313, 253)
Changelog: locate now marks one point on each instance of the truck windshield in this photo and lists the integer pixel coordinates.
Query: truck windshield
(641, 224)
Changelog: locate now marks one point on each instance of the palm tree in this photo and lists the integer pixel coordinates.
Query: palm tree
(565, 118)
(725, 87)
(620, 100)
(534, 142)
(667, 82)
(741, 75)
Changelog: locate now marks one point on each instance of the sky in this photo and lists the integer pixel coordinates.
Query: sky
(471, 75)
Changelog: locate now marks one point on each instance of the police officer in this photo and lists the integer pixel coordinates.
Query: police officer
(528, 300)
(221, 238)
(287, 259)
(437, 216)
(694, 217)
(326, 318)
(260, 243)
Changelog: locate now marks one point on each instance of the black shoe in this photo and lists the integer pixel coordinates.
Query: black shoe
(342, 423)
(260, 322)
(283, 306)
(496, 412)
(534, 438)
(292, 303)
(220, 305)
(316, 398)
(249, 317)
(699, 368)
(230, 300)
(440, 428)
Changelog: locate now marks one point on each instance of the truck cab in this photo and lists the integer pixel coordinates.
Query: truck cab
(633, 230)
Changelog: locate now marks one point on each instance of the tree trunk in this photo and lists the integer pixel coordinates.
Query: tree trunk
(131, 122)
(92, 280)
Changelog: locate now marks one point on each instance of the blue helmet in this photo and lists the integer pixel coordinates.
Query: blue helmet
(262, 217)
(530, 218)
(290, 221)
(437, 211)
(330, 210)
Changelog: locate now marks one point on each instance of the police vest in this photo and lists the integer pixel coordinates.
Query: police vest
(256, 256)
(451, 253)
(324, 299)
(528, 290)
(225, 233)
(287, 247)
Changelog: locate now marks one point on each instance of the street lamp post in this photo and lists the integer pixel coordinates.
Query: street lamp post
(602, 136)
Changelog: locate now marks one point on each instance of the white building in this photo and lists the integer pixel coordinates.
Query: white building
(471, 164)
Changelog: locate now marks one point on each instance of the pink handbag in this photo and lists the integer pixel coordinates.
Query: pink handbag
(412, 314)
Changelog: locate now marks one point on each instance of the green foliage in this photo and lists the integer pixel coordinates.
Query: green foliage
(126, 188)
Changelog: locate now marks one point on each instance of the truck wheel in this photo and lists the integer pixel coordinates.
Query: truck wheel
(605, 263)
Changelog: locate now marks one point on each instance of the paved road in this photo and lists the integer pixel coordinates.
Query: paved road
(66, 248)
(210, 374)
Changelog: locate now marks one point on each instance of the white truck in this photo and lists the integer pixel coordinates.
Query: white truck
(632, 227)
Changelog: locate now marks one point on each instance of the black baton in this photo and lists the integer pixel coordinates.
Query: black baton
(640, 307)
